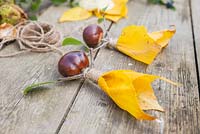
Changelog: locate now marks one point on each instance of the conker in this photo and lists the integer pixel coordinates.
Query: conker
(92, 35)
(73, 63)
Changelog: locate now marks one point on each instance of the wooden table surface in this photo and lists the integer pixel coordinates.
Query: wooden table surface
(81, 107)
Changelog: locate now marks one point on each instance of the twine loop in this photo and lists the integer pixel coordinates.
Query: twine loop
(34, 36)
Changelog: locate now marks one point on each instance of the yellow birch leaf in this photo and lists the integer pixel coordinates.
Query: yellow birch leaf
(145, 93)
(80, 13)
(74, 14)
(132, 91)
(116, 18)
(118, 85)
(113, 18)
(119, 9)
(163, 37)
(118, 2)
(116, 13)
(135, 42)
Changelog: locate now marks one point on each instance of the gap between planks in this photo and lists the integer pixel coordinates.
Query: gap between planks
(69, 107)
(77, 92)
(178, 101)
(195, 48)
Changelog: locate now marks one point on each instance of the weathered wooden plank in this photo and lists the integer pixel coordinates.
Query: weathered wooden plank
(94, 112)
(42, 111)
(196, 27)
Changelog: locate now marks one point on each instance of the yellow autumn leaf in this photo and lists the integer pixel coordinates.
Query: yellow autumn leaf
(113, 18)
(75, 14)
(163, 37)
(120, 1)
(132, 91)
(145, 93)
(116, 13)
(118, 85)
(117, 9)
(135, 42)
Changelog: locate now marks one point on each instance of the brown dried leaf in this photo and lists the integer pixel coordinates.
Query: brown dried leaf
(7, 31)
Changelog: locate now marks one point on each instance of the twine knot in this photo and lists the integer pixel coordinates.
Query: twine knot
(92, 74)
(112, 43)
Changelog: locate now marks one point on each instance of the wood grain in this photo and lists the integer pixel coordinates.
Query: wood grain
(95, 112)
(42, 111)
(196, 29)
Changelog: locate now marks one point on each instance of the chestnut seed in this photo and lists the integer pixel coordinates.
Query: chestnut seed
(73, 63)
(92, 35)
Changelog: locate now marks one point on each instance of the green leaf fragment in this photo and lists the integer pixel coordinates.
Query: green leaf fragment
(74, 4)
(71, 41)
(33, 17)
(86, 49)
(100, 20)
(58, 2)
(35, 86)
(156, 1)
(168, 4)
(173, 8)
(35, 5)
(105, 8)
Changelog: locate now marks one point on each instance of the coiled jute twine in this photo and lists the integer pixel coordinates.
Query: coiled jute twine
(33, 36)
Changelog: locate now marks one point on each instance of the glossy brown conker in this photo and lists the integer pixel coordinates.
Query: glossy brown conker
(73, 63)
(92, 35)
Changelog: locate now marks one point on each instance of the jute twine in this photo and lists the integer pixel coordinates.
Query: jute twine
(34, 36)
(112, 43)
(92, 74)
(89, 73)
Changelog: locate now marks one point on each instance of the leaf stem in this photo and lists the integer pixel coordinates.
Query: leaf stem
(34, 86)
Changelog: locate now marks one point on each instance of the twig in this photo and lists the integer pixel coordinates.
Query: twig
(75, 77)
